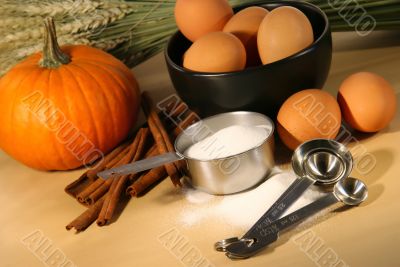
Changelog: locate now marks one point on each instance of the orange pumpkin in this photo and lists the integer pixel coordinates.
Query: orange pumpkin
(65, 107)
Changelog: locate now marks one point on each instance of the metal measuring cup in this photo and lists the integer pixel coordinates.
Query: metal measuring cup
(222, 175)
(319, 161)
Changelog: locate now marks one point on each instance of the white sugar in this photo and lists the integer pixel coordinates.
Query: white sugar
(227, 142)
(243, 209)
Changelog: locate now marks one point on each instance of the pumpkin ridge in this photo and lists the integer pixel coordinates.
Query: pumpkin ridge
(128, 80)
(12, 107)
(120, 97)
(115, 135)
(95, 54)
(16, 89)
(115, 95)
(46, 96)
(96, 128)
(26, 64)
(124, 85)
(60, 88)
(32, 60)
(117, 68)
(37, 157)
(36, 73)
(115, 64)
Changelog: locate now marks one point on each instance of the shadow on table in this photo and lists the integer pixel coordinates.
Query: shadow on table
(374, 192)
(371, 166)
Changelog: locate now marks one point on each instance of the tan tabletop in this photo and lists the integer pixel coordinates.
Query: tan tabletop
(35, 209)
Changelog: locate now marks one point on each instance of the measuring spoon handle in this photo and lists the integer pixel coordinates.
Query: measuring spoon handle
(294, 191)
(269, 234)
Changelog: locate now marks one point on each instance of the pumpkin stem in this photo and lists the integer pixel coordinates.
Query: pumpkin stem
(53, 56)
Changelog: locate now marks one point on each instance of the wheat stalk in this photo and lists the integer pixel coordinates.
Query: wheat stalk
(8, 24)
(52, 8)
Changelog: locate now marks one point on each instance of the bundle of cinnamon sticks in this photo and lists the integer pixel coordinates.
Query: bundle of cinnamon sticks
(102, 197)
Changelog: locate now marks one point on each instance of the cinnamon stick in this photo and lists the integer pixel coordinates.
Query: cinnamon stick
(173, 108)
(84, 220)
(120, 150)
(153, 151)
(105, 215)
(81, 197)
(146, 180)
(87, 179)
(120, 157)
(118, 183)
(77, 186)
(99, 192)
(179, 110)
(189, 120)
(164, 146)
(159, 173)
(124, 157)
(161, 137)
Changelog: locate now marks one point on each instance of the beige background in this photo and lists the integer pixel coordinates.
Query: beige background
(364, 236)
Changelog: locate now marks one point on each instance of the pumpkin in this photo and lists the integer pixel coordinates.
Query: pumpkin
(66, 107)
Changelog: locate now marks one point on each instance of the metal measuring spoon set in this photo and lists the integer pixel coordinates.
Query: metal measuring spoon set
(321, 162)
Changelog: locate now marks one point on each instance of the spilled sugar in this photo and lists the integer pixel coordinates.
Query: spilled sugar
(243, 209)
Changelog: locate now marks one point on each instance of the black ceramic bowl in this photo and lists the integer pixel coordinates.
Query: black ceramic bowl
(263, 88)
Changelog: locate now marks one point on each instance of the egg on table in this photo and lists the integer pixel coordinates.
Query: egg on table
(245, 25)
(282, 33)
(368, 102)
(196, 18)
(307, 115)
(216, 52)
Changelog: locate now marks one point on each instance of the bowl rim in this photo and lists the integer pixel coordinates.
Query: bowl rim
(256, 68)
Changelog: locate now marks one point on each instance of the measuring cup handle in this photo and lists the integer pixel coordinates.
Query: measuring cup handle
(141, 165)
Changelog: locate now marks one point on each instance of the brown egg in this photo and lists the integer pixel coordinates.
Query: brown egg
(307, 115)
(283, 32)
(244, 25)
(368, 102)
(216, 52)
(196, 18)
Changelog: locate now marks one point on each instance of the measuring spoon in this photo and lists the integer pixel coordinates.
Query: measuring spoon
(350, 191)
(320, 162)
